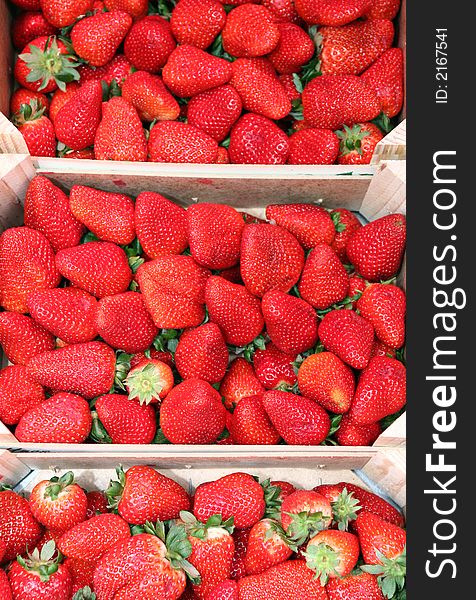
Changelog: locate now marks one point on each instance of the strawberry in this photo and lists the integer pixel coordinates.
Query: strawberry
(237, 495)
(100, 268)
(77, 121)
(331, 101)
(291, 322)
(18, 393)
(161, 225)
(165, 357)
(214, 233)
(59, 503)
(22, 339)
(381, 349)
(192, 413)
(298, 420)
(266, 547)
(150, 97)
(27, 26)
(384, 306)
(40, 576)
(328, 381)
(351, 434)
(381, 391)
(197, 22)
(23, 96)
(250, 31)
(96, 39)
(354, 587)
(6, 590)
(257, 140)
(117, 70)
(286, 488)
(60, 97)
(176, 142)
(346, 223)
(250, 424)
(383, 9)
(62, 13)
(149, 43)
(313, 147)
(239, 382)
(274, 369)
(36, 129)
(357, 143)
(136, 8)
(47, 210)
(290, 580)
(283, 11)
(304, 513)
(332, 554)
(143, 494)
(202, 353)
(288, 83)
(90, 539)
(240, 537)
(376, 250)
(86, 154)
(27, 4)
(223, 156)
(97, 504)
(357, 286)
(331, 12)
(348, 335)
(310, 224)
(82, 573)
(226, 590)
(120, 135)
(215, 111)
(386, 76)
(271, 259)
(234, 309)
(61, 419)
(19, 530)
(260, 89)
(295, 48)
(123, 421)
(324, 280)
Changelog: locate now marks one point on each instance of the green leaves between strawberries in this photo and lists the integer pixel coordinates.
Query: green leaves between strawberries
(345, 509)
(335, 424)
(58, 484)
(43, 562)
(339, 227)
(123, 366)
(351, 139)
(167, 340)
(259, 343)
(116, 488)
(85, 593)
(272, 500)
(391, 573)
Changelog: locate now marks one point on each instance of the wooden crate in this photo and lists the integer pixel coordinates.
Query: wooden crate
(385, 194)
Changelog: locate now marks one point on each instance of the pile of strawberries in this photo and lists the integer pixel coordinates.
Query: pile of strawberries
(233, 539)
(207, 81)
(122, 319)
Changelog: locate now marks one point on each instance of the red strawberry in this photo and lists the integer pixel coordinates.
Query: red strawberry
(304, 513)
(120, 135)
(197, 22)
(165, 357)
(226, 590)
(310, 224)
(192, 413)
(240, 537)
(356, 287)
(118, 69)
(250, 31)
(283, 11)
(331, 101)
(96, 39)
(287, 81)
(383, 9)
(274, 369)
(90, 539)
(60, 97)
(384, 306)
(286, 488)
(29, 25)
(376, 250)
(313, 147)
(62, 13)
(271, 259)
(161, 225)
(291, 322)
(332, 554)
(124, 422)
(82, 573)
(260, 89)
(257, 140)
(18, 393)
(331, 12)
(202, 353)
(266, 547)
(143, 494)
(324, 280)
(214, 233)
(23, 96)
(61, 419)
(295, 48)
(348, 335)
(357, 143)
(97, 504)
(223, 157)
(176, 142)
(59, 503)
(136, 8)
(237, 495)
(19, 530)
(6, 590)
(381, 349)
(215, 111)
(47, 210)
(381, 391)
(21, 338)
(77, 121)
(27, 4)
(150, 97)
(100, 268)
(250, 424)
(354, 587)
(346, 223)
(234, 309)
(149, 380)
(386, 77)
(149, 43)
(36, 129)
(239, 382)
(351, 434)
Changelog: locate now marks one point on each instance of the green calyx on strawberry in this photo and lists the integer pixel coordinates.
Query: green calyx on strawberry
(123, 366)
(391, 573)
(98, 432)
(272, 498)
(335, 216)
(335, 425)
(49, 63)
(28, 112)
(85, 593)
(145, 383)
(351, 139)
(43, 562)
(133, 252)
(115, 490)
(345, 509)
(58, 484)
(323, 560)
(304, 525)
(277, 529)
(259, 343)
(195, 528)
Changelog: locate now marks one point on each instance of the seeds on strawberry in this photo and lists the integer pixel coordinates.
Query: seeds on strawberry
(310, 224)
(331, 12)
(177, 142)
(149, 43)
(295, 48)
(215, 111)
(250, 424)
(22, 338)
(150, 97)
(257, 140)
(239, 382)
(124, 422)
(202, 353)
(18, 393)
(250, 31)
(384, 306)
(197, 22)
(313, 147)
